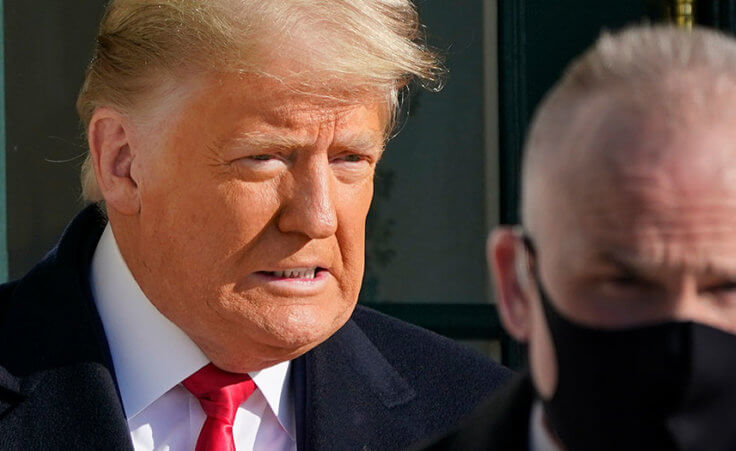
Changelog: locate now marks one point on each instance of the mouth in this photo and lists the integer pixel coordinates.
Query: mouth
(298, 281)
(295, 274)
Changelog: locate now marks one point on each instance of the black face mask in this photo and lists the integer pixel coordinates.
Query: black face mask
(657, 387)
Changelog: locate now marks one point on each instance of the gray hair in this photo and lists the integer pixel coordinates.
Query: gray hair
(343, 49)
(656, 69)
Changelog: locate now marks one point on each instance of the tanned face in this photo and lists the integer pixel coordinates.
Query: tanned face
(250, 229)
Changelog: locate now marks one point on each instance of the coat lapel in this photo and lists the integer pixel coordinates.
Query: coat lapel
(73, 407)
(349, 391)
(58, 379)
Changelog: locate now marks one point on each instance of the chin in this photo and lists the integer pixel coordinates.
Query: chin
(299, 329)
(271, 341)
(262, 334)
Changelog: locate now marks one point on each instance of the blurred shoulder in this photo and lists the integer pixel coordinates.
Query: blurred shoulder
(500, 422)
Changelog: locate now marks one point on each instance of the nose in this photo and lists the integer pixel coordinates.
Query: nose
(310, 208)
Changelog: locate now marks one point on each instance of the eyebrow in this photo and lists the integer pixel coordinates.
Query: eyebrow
(638, 265)
(359, 142)
(628, 264)
(264, 141)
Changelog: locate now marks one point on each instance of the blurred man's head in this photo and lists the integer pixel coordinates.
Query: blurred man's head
(234, 145)
(628, 205)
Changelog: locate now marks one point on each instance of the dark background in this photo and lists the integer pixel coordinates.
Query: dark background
(427, 229)
(47, 46)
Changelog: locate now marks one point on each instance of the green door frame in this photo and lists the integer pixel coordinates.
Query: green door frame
(3, 187)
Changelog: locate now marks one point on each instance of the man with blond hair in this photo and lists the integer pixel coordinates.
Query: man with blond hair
(206, 299)
(622, 278)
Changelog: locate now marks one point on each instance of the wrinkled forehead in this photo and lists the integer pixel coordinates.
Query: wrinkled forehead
(669, 154)
(612, 135)
(643, 179)
(230, 94)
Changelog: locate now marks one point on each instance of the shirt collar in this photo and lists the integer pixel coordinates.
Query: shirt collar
(151, 354)
(273, 382)
(540, 437)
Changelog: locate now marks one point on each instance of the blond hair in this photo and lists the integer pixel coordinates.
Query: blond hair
(340, 48)
(660, 71)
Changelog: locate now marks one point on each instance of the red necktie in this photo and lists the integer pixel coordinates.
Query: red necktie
(219, 393)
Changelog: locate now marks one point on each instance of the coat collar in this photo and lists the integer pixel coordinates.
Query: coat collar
(57, 372)
(345, 384)
(52, 307)
(50, 320)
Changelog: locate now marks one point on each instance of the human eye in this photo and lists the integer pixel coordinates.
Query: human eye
(261, 161)
(262, 157)
(350, 158)
(624, 280)
(721, 294)
(352, 166)
(726, 288)
(259, 165)
(627, 283)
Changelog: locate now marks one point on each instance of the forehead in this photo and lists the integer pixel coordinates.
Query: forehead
(646, 188)
(278, 101)
(217, 104)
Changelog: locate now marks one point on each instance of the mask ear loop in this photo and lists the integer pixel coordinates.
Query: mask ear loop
(530, 269)
(529, 265)
(526, 259)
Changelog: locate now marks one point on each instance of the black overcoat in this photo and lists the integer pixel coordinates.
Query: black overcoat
(376, 384)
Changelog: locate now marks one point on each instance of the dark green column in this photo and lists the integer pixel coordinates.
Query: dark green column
(3, 192)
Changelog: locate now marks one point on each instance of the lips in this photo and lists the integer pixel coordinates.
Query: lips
(290, 282)
(307, 273)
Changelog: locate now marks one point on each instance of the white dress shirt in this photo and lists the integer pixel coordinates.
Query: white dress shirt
(152, 356)
(540, 438)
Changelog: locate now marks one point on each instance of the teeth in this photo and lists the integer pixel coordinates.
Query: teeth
(296, 273)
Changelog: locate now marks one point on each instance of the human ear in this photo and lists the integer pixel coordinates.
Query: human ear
(508, 262)
(112, 159)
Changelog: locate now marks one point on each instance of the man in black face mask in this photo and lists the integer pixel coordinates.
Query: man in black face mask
(622, 279)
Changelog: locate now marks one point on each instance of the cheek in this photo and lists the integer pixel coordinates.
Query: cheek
(245, 207)
(207, 223)
(352, 212)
